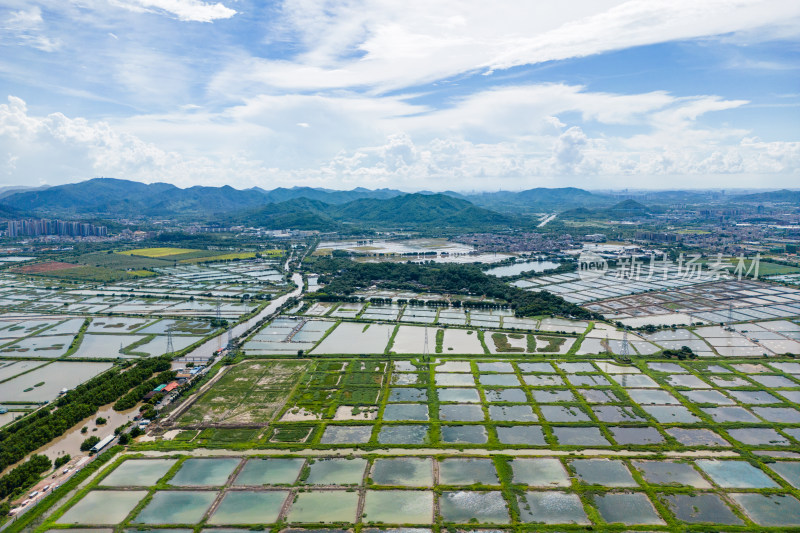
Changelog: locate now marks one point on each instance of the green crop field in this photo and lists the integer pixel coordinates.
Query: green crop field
(247, 394)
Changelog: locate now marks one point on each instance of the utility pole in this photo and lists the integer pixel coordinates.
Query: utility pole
(425, 354)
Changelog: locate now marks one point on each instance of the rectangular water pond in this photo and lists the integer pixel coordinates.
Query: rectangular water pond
(580, 436)
(138, 473)
(699, 508)
(604, 472)
(406, 471)
(528, 435)
(464, 434)
(324, 506)
(398, 507)
(789, 470)
(346, 434)
(540, 472)
(552, 507)
(462, 395)
(629, 508)
(461, 412)
(776, 510)
(671, 473)
(458, 471)
(406, 411)
(735, 474)
(336, 472)
(478, 507)
(512, 413)
(176, 507)
(408, 395)
(269, 472)
(249, 507)
(204, 472)
(104, 507)
(404, 434)
(502, 395)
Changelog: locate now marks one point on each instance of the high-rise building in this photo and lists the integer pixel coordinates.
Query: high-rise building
(39, 227)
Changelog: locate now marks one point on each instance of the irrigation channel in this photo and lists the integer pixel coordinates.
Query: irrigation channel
(206, 350)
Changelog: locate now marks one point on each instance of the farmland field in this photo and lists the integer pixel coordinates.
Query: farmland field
(567, 444)
(158, 252)
(120, 260)
(247, 394)
(221, 257)
(48, 266)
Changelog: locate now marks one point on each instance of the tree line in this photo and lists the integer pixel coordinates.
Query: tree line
(137, 394)
(343, 277)
(51, 422)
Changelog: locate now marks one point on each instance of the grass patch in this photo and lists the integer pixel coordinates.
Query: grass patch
(249, 393)
(553, 343)
(223, 257)
(226, 436)
(158, 252)
(531, 339)
(119, 261)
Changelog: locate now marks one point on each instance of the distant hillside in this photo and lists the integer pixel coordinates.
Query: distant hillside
(421, 209)
(328, 196)
(298, 213)
(7, 212)
(113, 197)
(627, 209)
(406, 211)
(538, 200)
(108, 197)
(784, 196)
(8, 191)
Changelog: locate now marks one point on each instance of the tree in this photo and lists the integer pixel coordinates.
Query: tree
(89, 443)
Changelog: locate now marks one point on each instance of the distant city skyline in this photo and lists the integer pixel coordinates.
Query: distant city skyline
(452, 95)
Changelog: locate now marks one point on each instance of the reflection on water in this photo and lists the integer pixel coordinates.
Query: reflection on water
(522, 266)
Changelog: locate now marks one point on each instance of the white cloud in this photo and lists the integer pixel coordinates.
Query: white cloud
(385, 141)
(642, 22)
(385, 45)
(186, 10)
(27, 27)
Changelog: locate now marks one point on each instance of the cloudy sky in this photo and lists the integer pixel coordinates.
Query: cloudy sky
(413, 94)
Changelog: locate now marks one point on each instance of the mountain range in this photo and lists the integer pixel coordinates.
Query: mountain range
(114, 198)
(319, 208)
(405, 211)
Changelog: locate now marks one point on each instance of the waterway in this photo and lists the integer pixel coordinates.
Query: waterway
(206, 350)
(522, 266)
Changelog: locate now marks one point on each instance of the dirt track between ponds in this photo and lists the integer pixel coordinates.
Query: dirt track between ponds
(441, 451)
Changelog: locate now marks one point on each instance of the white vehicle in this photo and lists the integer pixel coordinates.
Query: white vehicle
(45, 488)
(33, 494)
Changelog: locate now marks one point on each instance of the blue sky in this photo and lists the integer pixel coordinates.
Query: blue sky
(453, 94)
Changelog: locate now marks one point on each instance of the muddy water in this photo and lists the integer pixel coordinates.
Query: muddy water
(70, 442)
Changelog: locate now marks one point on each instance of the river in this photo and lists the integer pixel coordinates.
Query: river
(206, 350)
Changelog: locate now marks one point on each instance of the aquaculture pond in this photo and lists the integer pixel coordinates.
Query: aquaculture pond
(204, 472)
(271, 471)
(138, 473)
